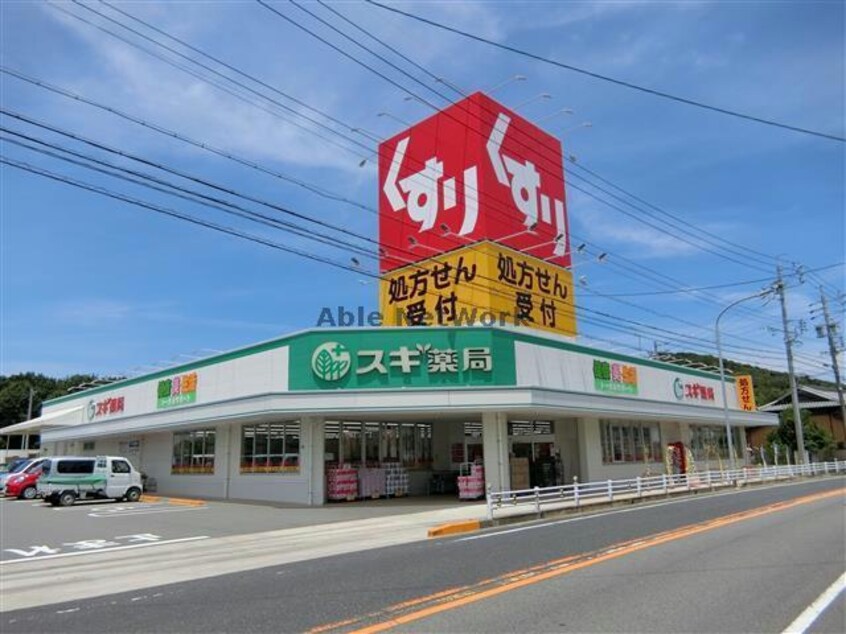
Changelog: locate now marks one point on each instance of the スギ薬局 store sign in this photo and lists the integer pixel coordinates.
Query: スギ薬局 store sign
(471, 172)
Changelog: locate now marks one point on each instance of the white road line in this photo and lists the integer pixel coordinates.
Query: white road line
(813, 611)
(145, 512)
(643, 506)
(105, 550)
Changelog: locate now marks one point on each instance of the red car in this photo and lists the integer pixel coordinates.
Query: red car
(22, 485)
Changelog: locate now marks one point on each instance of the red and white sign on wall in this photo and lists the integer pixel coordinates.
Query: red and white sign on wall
(471, 172)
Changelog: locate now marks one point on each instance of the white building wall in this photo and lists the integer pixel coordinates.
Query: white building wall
(228, 482)
(495, 441)
(314, 452)
(567, 443)
(443, 436)
(156, 462)
(549, 367)
(259, 373)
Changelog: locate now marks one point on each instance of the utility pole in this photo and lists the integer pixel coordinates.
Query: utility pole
(25, 441)
(29, 407)
(831, 329)
(794, 394)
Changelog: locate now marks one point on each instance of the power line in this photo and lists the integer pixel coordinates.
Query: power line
(215, 202)
(212, 82)
(737, 248)
(223, 63)
(183, 138)
(170, 212)
(182, 42)
(391, 48)
(606, 78)
(185, 175)
(715, 286)
(163, 186)
(613, 324)
(409, 60)
(745, 251)
(658, 228)
(202, 145)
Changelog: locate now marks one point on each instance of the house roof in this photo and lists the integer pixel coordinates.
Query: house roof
(809, 398)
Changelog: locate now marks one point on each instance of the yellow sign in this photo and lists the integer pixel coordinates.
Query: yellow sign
(480, 284)
(745, 393)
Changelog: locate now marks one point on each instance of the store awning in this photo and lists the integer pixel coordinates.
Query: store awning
(59, 418)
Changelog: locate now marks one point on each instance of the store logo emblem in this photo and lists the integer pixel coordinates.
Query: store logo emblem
(678, 389)
(331, 361)
(92, 409)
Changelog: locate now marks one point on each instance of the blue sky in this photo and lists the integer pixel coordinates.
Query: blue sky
(90, 284)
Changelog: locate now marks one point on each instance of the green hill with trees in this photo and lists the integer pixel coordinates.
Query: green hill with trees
(14, 393)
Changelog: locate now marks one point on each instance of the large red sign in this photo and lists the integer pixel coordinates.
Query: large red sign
(473, 171)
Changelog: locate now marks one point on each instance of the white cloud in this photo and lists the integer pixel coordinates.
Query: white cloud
(92, 312)
(152, 90)
(605, 226)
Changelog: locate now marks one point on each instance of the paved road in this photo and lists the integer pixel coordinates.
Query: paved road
(751, 572)
(757, 575)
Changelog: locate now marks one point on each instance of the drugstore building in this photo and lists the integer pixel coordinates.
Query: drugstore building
(472, 217)
(402, 410)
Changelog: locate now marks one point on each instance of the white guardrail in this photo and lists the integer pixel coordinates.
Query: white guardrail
(581, 493)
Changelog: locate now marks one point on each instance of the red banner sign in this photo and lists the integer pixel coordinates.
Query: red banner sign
(473, 171)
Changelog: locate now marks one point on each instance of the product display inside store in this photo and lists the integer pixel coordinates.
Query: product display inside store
(370, 460)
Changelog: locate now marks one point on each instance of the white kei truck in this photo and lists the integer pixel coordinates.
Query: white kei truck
(66, 479)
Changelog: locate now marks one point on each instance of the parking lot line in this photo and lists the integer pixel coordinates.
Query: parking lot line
(105, 550)
(132, 512)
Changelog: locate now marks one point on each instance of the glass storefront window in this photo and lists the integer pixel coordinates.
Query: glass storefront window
(351, 443)
(193, 452)
(390, 442)
(708, 442)
(270, 447)
(630, 442)
(372, 433)
(410, 444)
(530, 428)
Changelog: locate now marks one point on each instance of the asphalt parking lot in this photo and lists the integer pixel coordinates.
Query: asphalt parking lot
(32, 530)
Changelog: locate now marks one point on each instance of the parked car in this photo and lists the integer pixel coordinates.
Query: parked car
(14, 467)
(66, 479)
(22, 484)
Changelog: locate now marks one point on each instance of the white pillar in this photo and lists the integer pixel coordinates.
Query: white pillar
(495, 442)
(312, 452)
(442, 443)
(232, 452)
(584, 449)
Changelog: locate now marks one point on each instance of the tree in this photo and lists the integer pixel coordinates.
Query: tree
(817, 441)
(14, 393)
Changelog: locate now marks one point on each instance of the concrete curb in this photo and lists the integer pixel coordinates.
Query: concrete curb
(170, 500)
(454, 528)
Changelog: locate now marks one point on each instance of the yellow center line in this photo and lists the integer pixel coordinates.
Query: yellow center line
(526, 577)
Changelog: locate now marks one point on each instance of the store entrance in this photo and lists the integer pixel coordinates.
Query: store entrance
(372, 460)
(535, 457)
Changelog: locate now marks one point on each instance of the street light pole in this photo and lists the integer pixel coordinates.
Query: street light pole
(794, 393)
(729, 439)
